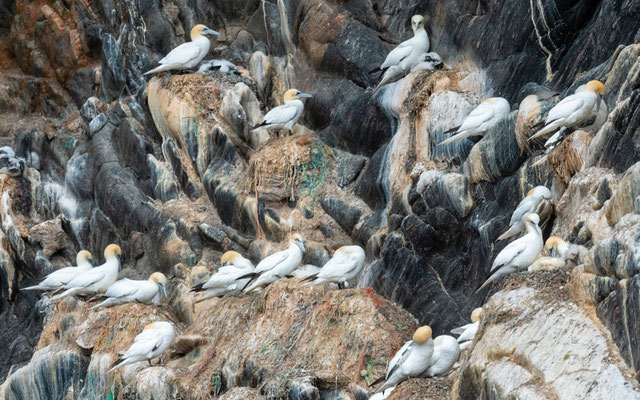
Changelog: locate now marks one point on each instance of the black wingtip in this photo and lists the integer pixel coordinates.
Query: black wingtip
(118, 361)
(197, 288)
(377, 381)
(310, 278)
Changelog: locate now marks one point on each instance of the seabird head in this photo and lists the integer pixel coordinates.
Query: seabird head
(201, 30)
(422, 334)
(229, 257)
(433, 58)
(298, 240)
(417, 22)
(596, 87)
(84, 256)
(112, 251)
(161, 280)
(476, 314)
(532, 218)
(294, 94)
(539, 191)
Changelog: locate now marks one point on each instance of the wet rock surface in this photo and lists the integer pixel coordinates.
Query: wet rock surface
(168, 168)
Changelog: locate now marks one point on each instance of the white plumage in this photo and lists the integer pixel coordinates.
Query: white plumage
(306, 271)
(528, 205)
(445, 354)
(223, 66)
(141, 291)
(574, 109)
(481, 119)
(345, 264)
(382, 395)
(519, 254)
(426, 61)
(225, 279)
(154, 340)
(97, 279)
(407, 53)
(187, 55)
(277, 265)
(57, 279)
(411, 360)
(468, 332)
(286, 115)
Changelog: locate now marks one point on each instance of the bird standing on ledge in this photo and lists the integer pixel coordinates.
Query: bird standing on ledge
(286, 115)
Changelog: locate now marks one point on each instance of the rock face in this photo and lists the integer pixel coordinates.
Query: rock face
(169, 167)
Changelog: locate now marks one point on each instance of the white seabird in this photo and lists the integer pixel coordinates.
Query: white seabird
(96, 279)
(306, 271)
(225, 279)
(567, 251)
(188, 55)
(223, 66)
(407, 54)
(277, 265)
(532, 203)
(129, 291)
(426, 61)
(286, 115)
(154, 340)
(446, 351)
(57, 279)
(411, 360)
(574, 109)
(481, 119)
(345, 264)
(468, 332)
(519, 254)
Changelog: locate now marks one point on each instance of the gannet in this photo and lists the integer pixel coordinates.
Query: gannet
(96, 279)
(407, 54)
(446, 351)
(57, 279)
(188, 55)
(345, 264)
(519, 254)
(149, 344)
(305, 271)
(277, 265)
(426, 61)
(224, 280)
(574, 109)
(411, 360)
(286, 115)
(567, 251)
(223, 66)
(382, 395)
(129, 291)
(481, 119)
(532, 203)
(468, 332)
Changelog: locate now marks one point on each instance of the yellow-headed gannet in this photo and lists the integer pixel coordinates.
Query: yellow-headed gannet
(567, 251)
(223, 66)
(481, 119)
(446, 351)
(188, 55)
(277, 265)
(574, 109)
(57, 279)
(426, 61)
(129, 291)
(519, 254)
(154, 340)
(382, 395)
(407, 54)
(468, 332)
(532, 203)
(345, 264)
(411, 360)
(286, 115)
(96, 279)
(225, 279)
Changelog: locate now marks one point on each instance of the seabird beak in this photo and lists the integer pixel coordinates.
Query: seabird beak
(93, 264)
(207, 31)
(163, 291)
(598, 103)
(224, 264)
(303, 95)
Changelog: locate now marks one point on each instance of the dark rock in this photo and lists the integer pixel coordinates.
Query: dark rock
(366, 185)
(315, 253)
(348, 167)
(328, 95)
(345, 215)
(303, 389)
(81, 85)
(112, 81)
(368, 226)
(264, 25)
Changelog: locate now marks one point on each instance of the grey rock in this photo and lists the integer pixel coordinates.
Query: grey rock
(348, 167)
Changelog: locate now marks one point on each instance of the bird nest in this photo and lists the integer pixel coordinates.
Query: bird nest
(291, 168)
